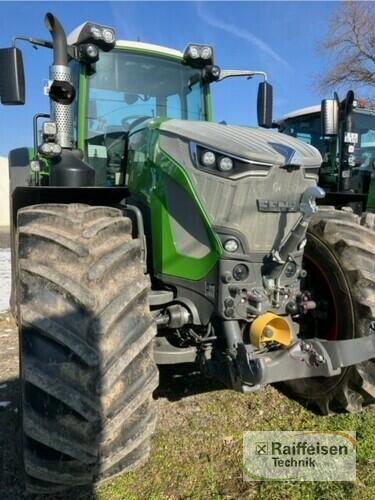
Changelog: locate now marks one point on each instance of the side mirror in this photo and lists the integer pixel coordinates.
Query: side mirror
(12, 77)
(265, 104)
(329, 117)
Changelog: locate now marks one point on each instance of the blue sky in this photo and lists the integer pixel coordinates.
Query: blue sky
(278, 37)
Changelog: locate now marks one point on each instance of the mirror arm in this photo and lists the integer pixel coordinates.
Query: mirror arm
(34, 41)
(229, 73)
(39, 42)
(260, 73)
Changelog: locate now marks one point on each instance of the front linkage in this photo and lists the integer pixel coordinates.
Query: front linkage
(252, 366)
(303, 359)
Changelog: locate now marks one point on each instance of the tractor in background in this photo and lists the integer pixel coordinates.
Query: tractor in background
(344, 133)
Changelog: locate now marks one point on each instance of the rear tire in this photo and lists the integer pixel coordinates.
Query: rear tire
(341, 247)
(86, 362)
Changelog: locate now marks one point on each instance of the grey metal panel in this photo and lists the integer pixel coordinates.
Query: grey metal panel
(189, 234)
(250, 143)
(18, 168)
(62, 114)
(232, 203)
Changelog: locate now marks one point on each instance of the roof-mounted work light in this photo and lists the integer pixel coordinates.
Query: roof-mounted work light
(198, 56)
(103, 37)
(88, 53)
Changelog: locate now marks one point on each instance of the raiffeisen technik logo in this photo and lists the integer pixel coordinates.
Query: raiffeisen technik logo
(303, 456)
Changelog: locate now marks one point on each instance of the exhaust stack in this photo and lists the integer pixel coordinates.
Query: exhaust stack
(61, 109)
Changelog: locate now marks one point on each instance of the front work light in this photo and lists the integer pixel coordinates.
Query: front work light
(206, 53)
(225, 164)
(194, 52)
(88, 53)
(108, 35)
(231, 245)
(49, 129)
(50, 149)
(208, 159)
(198, 56)
(211, 73)
(103, 37)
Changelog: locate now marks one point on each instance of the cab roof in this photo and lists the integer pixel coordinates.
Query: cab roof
(148, 47)
(300, 112)
(312, 110)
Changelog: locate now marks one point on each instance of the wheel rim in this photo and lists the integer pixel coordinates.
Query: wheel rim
(318, 283)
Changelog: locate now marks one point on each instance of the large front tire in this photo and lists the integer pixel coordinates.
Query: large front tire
(340, 260)
(86, 362)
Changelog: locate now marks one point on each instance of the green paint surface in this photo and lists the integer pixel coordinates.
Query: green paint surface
(371, 195)
(147, 170)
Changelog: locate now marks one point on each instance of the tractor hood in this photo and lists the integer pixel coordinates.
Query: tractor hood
(232, 200)
(249, 143)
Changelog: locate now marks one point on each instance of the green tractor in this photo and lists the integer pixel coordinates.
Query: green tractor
(344, 133)
(144, 234)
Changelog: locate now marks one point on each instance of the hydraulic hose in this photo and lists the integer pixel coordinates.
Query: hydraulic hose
(60, 48)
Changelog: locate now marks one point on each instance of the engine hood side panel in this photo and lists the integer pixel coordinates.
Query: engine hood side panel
(233, 204)
(249, 143)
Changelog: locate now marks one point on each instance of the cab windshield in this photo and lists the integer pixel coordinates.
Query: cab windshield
(364, 126)
(127, 89)
(308, 129)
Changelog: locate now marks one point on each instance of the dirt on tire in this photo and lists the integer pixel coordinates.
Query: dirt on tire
(87, 367)
(343, 245)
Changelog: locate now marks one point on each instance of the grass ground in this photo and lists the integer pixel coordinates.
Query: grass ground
(197, 449)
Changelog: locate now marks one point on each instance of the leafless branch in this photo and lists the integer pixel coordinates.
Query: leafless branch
(351, 43)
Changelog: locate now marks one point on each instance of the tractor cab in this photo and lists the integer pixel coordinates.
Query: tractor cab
(115, 88)
(136, 85)
(132, 85)
(348, 167)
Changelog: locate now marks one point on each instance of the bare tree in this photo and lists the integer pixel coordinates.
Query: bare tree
(351, 41)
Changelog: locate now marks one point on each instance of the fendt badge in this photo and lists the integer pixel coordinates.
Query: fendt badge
(277, 206)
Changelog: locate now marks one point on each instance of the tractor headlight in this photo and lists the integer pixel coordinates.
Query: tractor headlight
(193, 52)
(49, 129)
(206, 53)
(88, 53)
(220, 163)
(208, 159)
(231, 245)
(225, 164)
(35, 166)
(56, 149)
(96, 33)
(198, 56)
(89, 33)
(108, 35)
(50, 149)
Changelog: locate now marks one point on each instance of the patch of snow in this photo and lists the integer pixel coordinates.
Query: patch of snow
(4, 404)
(4, 278)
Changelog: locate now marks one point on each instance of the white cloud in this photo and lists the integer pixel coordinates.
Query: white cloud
(243, 34)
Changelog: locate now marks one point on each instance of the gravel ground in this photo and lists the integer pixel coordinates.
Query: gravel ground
(4, 278)
(4, 269)
(10, 481)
